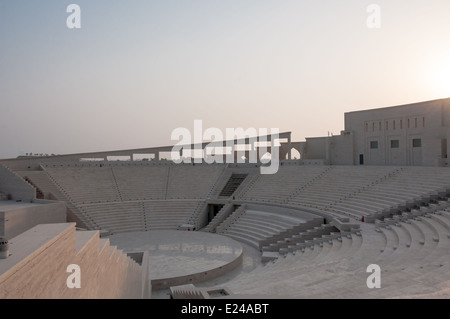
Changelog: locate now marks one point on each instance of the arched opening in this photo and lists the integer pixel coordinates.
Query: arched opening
(265, 159)
(295, 154)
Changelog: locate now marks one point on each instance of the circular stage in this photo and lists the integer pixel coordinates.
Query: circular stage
(182, 257)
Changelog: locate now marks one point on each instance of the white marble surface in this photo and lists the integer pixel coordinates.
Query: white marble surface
(177, 253)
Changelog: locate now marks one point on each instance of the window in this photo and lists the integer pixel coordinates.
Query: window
(417, 142)
(387, 125)
(423, 121)
(415, 123)
(379, 126)
(401, 124)
(408, 123)
(373, 145)
(393, 125)
(367, 127)
(395, 144)
(373, 126)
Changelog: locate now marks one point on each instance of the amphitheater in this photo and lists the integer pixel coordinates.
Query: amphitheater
(156, 229)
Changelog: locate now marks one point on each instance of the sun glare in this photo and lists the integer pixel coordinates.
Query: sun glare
(443, 79)
(439, 79)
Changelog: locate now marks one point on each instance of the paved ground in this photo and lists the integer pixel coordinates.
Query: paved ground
(178, 253)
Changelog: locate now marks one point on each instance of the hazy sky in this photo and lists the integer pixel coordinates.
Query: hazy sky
(136, 70)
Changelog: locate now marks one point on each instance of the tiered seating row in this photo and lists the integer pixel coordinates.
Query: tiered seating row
(253, 226)
(140, 215)
(297, 274)
(168, 214)
(338, 184)
(141, 182)
(409, 187)
(277, 187)
(192, 182)
(43, 181)
(411, 250)
(351, 191)
(301, 240)
(86, 185)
